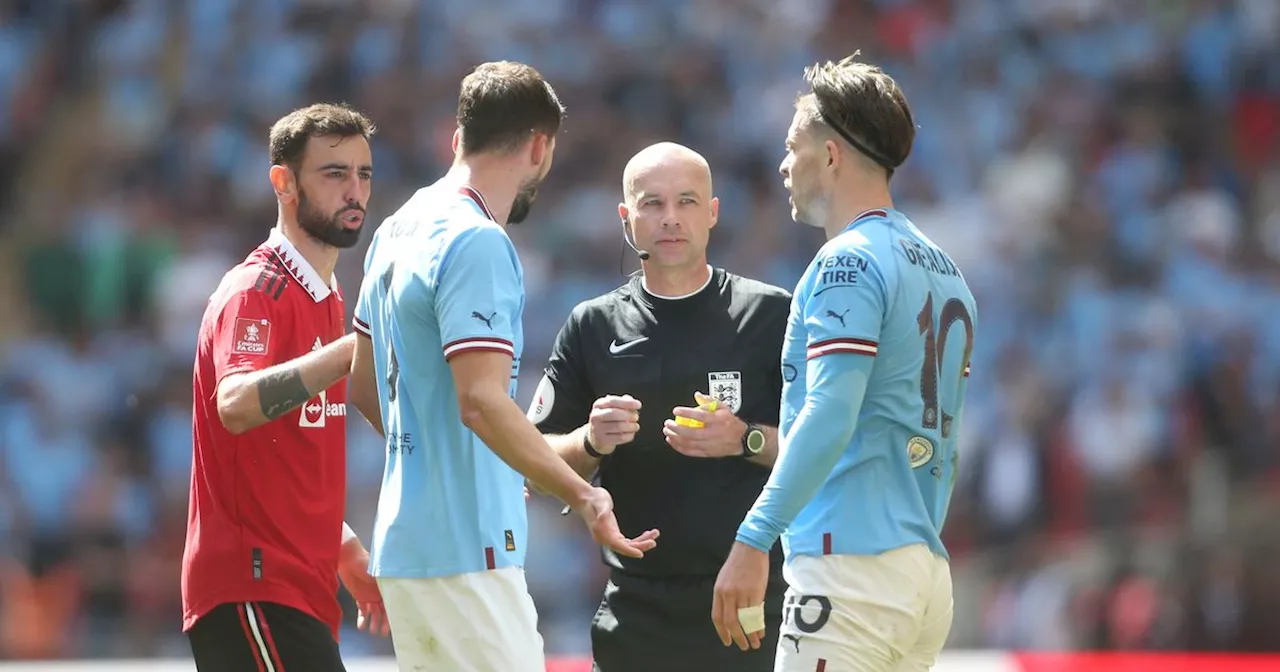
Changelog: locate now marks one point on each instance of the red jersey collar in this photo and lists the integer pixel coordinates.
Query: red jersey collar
(301, 271)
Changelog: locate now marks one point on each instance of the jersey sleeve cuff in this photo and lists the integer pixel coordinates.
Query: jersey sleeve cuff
(360, 326)
(853, 346)
(751, 534)
(478, 344)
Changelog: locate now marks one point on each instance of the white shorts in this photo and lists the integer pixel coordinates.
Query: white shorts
(475, 622)
(865, 613)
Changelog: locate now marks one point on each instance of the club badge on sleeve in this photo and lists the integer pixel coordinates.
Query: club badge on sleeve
(251, 336)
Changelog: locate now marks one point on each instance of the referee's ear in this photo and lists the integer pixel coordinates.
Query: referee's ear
(283, 183)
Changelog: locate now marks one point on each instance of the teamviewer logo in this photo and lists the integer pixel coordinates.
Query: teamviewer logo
(313, 412)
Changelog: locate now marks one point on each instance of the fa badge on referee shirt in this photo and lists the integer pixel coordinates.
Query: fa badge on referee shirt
(726, 387)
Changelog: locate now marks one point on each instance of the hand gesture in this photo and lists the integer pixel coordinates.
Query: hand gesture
(740, 589)
(371, 615)
(614, 421)
(719, 436)
(597, 512)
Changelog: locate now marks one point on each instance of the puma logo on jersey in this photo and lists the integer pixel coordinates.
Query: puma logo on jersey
(839, 316)
(488, 321)
(794, 640)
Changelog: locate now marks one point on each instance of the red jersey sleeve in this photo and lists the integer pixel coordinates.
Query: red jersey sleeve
(246, 336)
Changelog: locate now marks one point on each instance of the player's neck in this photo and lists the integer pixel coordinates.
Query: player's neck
(496, 183)
(853, 200)
(323, 258)
(673, 283)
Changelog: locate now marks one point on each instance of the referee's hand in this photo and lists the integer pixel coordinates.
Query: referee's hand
(614, 421)
(597, 512)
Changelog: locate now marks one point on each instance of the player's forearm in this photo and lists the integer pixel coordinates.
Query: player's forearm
(248, 400)
(571, 448)
(820, 434)
(362, 388)
(769, 454)
(496, 419)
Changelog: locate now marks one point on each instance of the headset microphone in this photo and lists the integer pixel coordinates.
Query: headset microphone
(626, 237)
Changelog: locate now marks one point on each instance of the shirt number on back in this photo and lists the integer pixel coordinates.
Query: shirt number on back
(393, 366)
(935, 344)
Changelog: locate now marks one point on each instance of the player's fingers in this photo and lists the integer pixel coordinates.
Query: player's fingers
(718, 611)
(647, 541)
(623, 546)
(753, 638)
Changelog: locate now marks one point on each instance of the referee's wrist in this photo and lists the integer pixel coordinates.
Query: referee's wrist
(590, 449)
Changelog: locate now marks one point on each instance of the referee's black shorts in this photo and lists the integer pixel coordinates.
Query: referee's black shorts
(647, 624)
(262, 637)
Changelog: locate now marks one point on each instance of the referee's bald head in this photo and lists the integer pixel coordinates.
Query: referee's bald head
(664, 156)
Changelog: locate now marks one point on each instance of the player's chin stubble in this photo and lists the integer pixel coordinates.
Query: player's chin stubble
(523, 203)
(326, 229)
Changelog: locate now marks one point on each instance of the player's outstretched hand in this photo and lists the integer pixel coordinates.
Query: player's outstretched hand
(715, 433)
(738, 607)
(353, 569)
(598, 515)
(614, 421)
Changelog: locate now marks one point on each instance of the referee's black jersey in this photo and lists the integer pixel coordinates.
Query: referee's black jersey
(724, 340)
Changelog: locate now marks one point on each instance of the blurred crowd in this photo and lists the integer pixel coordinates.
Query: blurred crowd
(1105, 172)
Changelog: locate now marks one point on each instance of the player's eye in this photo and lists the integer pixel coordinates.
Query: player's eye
(335, 173)
(366, 176)
(687, 201)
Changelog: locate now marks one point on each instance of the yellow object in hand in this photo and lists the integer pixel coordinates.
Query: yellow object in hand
(705, 403)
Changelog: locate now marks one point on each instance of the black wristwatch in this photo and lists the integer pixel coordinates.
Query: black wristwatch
(752, 441)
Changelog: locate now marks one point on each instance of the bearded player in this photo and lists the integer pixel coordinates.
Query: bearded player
(266, 542)
(435, 367)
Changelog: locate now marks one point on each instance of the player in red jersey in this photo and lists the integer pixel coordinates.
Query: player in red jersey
(266, 541)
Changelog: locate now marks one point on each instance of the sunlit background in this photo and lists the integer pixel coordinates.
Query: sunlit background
(1105, 172)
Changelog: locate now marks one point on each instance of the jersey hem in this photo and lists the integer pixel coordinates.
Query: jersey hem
(276, 595)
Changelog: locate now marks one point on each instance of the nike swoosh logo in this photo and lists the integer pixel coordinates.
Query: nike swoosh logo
(615, 347)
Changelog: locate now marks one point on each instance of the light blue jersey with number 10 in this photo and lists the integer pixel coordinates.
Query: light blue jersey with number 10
(441, 278)
(875, 366)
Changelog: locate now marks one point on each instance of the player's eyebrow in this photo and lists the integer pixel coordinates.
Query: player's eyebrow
(365, 168)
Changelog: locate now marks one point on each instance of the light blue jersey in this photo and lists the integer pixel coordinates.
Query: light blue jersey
(875, 365)
(441, 278)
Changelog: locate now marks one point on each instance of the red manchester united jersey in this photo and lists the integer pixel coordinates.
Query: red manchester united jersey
(265, 516)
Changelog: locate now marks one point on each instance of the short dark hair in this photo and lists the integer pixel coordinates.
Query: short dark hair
(289, 135)
(502, 103)
(864, 106)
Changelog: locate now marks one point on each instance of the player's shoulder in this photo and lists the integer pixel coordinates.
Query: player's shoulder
(261, 274)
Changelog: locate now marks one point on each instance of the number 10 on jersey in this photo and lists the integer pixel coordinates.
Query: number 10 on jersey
(935, 347)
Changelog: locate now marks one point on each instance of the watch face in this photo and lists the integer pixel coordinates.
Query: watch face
(755, 441)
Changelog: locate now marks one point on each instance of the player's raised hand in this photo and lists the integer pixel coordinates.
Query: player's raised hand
(598, 515)
(614, 421)
(715, 433)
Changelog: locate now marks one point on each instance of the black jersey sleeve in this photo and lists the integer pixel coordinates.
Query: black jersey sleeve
(562, 402)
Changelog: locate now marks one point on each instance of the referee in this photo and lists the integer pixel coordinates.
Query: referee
(627, 364)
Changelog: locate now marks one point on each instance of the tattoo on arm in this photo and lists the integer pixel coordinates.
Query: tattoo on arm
(281, 392)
